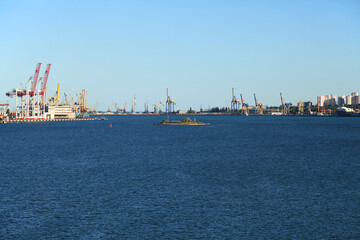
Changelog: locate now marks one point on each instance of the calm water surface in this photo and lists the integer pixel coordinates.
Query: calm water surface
(238, 178)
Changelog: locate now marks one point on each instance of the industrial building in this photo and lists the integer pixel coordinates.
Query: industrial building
(59, 112)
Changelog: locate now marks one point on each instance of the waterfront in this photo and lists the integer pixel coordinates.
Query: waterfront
(240, 177)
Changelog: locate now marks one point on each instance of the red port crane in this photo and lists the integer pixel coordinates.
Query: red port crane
(35, 79)
(46, 75)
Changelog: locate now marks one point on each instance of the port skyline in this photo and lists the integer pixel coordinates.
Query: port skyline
(197, 50)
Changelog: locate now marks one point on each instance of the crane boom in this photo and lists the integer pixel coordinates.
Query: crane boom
(46, 76)
(244, 105)
(282, 100)
(66, 99)
(283, 104)
(242, 100)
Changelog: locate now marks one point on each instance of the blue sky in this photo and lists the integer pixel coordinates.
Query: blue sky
(197, 49)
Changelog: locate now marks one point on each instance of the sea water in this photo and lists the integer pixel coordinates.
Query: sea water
(237, 178)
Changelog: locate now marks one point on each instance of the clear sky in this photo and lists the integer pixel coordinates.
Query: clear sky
(198, 49)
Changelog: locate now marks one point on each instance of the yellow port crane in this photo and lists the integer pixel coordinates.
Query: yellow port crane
(80, 106)
(284, 107)
(55, 100)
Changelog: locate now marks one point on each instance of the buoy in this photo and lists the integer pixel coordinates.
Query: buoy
(110, 125)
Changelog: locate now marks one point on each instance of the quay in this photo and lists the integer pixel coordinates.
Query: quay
(54, 120)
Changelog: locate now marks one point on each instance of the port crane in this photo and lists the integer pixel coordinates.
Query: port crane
(65, 100)
(110, 108)
(170, 104)
(146, 107)
(157, 107)
(245, 106)
(80, 106)
(55, 100)
(258, 106)
(35, 79)
(133, 105)
(234, 102)
(285, 109)
(124, 109)
(31, 107)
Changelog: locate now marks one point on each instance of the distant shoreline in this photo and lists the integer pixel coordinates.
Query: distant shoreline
(213, 114)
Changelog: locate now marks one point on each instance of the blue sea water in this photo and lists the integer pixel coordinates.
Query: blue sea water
(238, 178)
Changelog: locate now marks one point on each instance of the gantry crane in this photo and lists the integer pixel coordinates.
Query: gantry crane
(110, 108)
(31, 107)
(117, 110)
(258, 106)
(35, 79)
(157, 107)
(146, 107)
(245, 106)
(170, 104)
(80, 106)
(133, 105)
(284, 107)
(44, 82)
(65, 100)
(235, 104)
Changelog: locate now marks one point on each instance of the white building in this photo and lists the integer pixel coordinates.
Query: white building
(326, 100)
(348, 100)
(355, 98)
(59, 112)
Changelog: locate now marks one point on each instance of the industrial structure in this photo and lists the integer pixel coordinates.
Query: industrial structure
(170, 104)
(285, 109)
(146, 107)
(32, 97)
(245, 109)
(133, 105)
(31, 103)
(258, 106)
(158, 107)
(235, 104)
(4, 112)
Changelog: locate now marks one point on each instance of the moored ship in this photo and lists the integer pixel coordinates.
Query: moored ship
(347, 112)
